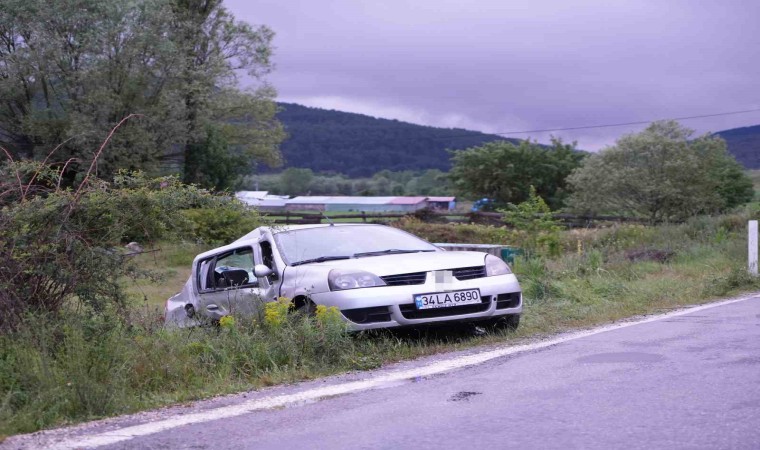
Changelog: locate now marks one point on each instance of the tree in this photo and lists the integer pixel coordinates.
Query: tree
(213, 163)
(213, 46)
(504, 172)
(294, 181)
(71, 69)
(661, 174)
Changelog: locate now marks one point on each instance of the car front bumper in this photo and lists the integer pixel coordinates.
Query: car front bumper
(393, 306)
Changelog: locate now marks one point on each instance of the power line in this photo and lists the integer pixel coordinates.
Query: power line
(641, 122)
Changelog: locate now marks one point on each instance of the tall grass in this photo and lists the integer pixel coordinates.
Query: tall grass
(629, 270)
(57, 370)
(83, 364)
(79, 367)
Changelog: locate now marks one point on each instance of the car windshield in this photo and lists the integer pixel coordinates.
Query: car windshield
(340, 242)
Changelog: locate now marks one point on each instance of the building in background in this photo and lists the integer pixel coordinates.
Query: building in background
(442, 203)
(262, 201)
(271, 203)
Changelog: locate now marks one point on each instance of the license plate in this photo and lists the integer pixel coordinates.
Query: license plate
(447, 299)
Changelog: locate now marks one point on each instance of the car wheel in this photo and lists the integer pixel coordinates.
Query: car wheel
(509, 322)
(304, 305)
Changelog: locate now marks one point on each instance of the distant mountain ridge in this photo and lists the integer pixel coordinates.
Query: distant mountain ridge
(744, 144)
(359, 145)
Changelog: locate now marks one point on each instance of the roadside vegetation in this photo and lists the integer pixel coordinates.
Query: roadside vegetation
(87, 360)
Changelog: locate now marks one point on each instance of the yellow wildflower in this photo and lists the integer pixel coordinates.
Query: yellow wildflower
(227, 322)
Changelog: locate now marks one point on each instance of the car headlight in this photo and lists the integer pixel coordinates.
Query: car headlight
(340, 280)
(495, 266)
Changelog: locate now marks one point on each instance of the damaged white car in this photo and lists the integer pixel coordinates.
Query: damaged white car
(377, 276)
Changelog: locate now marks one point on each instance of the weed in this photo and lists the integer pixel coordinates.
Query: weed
(533, 220)
(227, 322)
(275, 313)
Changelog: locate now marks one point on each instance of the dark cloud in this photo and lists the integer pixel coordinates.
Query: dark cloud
(496, 65)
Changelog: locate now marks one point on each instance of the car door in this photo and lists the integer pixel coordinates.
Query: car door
(227, 285)
(265, 254)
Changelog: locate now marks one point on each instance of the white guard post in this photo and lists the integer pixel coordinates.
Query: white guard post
(752, 247)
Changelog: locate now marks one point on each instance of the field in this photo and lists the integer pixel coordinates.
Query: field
(171, 261)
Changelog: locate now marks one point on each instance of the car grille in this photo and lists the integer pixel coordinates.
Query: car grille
(410, 311)
(469, 273)
(368, 315)
(405, 279)
(408, 279)
(504, 301)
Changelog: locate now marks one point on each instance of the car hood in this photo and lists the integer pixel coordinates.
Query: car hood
(408, 262)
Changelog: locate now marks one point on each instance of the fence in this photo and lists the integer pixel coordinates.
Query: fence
(489, 218)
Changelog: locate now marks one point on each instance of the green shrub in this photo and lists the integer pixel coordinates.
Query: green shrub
(461, 233)
(222, 223)
(65, 245)
(532, 219)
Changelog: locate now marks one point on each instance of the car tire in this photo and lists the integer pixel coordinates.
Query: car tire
(509, 322)
(305, 306)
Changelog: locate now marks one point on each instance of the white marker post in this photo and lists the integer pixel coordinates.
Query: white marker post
(752, 247)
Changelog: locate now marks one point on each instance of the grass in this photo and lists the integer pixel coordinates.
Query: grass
(93, 364)
(172, 262)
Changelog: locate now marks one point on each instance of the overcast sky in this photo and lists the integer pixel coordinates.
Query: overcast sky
(513, 65)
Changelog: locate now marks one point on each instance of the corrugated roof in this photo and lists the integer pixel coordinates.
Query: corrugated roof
(251, 194)
(408, 200)
(441, 199)
(360, 200)
(271, 202)
(340, 200)
(304, 200)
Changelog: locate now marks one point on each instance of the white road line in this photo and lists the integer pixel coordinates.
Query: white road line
(384, 380)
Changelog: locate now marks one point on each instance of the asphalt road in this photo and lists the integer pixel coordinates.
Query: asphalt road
(688, 381)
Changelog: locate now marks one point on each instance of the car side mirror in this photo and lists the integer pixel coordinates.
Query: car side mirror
(261, 271)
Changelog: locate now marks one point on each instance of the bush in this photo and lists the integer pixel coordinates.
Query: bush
(532, 219)
(221, 224)
(65, 245)
(457, 232)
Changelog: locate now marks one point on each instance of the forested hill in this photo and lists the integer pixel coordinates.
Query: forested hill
(359, 145)
(744, 144)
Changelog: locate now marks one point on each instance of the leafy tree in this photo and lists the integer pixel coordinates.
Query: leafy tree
(294, 181)
(71, 69)
(214, 46)
(661, 173)
(213, 163)
(504, 171)
(429, 182)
